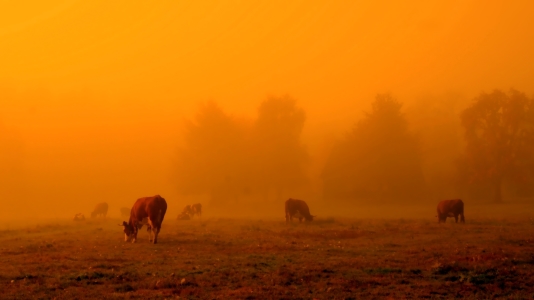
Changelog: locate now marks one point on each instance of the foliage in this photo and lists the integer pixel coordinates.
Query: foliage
(213, 159)
(227, 157)
(379, 159)
(435, 119)
(281, 156)
(499, 134)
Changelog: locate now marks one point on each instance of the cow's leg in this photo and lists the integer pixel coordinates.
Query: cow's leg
(135, 229)
(152, 230)
(156, 229)
(462, 219)
(456, 218)
(149, 230)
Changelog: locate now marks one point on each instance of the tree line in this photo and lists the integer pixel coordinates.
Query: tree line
(230, 158)
(380, 160)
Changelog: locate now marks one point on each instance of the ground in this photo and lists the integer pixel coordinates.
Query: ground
(222, 258)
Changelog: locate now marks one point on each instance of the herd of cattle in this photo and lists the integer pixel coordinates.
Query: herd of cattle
(150, 211)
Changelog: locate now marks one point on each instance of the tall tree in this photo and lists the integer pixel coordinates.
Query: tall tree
(499, 132)
(281, 158)
(435, 120)
(214, 158)
(227, 157)
(378, 159)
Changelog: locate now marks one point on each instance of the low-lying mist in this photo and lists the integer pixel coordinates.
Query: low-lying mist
(397, 159)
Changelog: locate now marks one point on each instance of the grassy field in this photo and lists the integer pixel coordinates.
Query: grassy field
(222, 258)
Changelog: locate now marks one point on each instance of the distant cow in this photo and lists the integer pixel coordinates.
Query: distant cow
(188, 210)
(451, 208)
(196, 209)
(101, 209)
(79, 217)
(183, 216)
(125, 211)
(148, 211)
(298, 209)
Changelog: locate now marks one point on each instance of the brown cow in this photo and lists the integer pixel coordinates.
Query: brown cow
(196, 209)
(79, 217)
(451, 208)
(298, 209)
(100, 209)
(148, 211)
(125, 211)
(183, 216)
(188, 210)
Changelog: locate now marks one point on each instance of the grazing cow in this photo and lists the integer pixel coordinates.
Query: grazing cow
(183, 216)
(148, 211)
(100, 209)
(188, 210)
(125, 211)
(196, 209)
(298, 209)
(451, 208)
(79, 217)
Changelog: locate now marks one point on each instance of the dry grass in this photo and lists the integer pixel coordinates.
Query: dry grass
(252, 259)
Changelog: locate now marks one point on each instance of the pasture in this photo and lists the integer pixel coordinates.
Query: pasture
(239, 258)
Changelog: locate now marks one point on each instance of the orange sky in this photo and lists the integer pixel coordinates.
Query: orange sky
(81, 80)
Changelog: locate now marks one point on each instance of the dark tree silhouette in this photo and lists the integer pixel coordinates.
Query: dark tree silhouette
(435, 120)
(214, 158)
(379, 159)
(229, 158)
(281, 158)
(499, 132)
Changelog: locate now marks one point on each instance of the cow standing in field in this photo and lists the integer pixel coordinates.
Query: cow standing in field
(196, 209)
(188, 210)
(148, 211)
(79, 217)
(451, 208)
(298, 209)
(183, 217)
(101, 209)
(125, 211)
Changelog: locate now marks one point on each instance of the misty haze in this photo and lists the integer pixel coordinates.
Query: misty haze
(213, 115)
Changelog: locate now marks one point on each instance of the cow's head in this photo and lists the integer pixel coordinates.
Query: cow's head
(128, 231)
(310, 218)
(93, 214)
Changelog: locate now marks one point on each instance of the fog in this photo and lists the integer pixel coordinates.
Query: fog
(242, 105)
